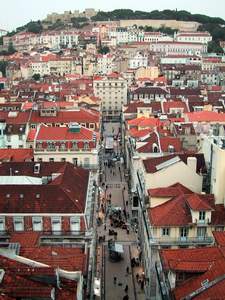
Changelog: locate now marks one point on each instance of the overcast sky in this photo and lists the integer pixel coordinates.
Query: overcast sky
(15, 13)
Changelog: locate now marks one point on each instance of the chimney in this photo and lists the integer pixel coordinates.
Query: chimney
(192, 163)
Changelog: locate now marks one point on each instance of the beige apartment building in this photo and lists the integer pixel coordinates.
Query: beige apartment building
(112, 90)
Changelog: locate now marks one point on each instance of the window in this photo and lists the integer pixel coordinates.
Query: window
(202, 216)
(86, 146)
(51, 159)
(165, 231)
(18, 223)
(183, 232)
(74, 146)
(2, 224)
(86, 162)
(201, 232)
(63, 159)
(75, 161)
(75, 225)
(220, 228)
(56, 225)
(37, 223)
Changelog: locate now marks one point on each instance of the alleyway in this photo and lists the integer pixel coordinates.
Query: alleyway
(115, 197)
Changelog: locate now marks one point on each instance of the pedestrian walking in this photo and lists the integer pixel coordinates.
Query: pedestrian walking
(126, 297)
(127, 203)
(128, 270)
(105, 227)
(126, 289)
(114, 279)
(128, 231)
(137, 277)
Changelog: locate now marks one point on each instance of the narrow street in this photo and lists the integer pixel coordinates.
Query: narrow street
(114, 200)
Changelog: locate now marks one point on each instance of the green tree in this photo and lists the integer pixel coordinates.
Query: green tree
(11, 49)
(103, 50)
(214, 47)
(36, 76)
(3, 66)
(34, 27)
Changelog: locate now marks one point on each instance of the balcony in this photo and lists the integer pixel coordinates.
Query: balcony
(59, 234)
(90, 166)
(182, 241)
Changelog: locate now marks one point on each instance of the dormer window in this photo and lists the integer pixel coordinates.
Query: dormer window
(86, 146)
(202, 216)
(155, 148)
(171, 149)
(74, 146)
(18, 223)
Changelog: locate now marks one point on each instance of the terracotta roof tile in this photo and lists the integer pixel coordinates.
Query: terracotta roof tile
(206, 116)
(198, 203)
(219, 238)
(172, 213)
(217, 291)
(170, 191)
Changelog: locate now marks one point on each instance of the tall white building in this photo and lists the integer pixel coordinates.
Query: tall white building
(138, 60)
(104, 64)
(124, 35)
(113, 92)
(179, 48)
(193, 37)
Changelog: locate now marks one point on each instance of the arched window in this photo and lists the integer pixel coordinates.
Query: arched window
(155, 148)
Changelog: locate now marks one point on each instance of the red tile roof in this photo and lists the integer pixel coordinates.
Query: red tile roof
(63, 134)
(80, 116)
(218, 215)
(31, 135)
(59, 196)
(206, 116)
(170, 191)
(216, 291)
(167, 141)
(135, 133)
(151, 163)
(198, 203)
(174, 104)
(25, 239)
(219, 237)
(144, 122)
(17, 155)
(171, 213)
(70, 259)
(191, 255)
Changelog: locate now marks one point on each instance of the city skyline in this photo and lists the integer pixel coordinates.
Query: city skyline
(33, 10)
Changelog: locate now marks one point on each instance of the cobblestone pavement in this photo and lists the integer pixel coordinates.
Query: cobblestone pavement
(107, 270)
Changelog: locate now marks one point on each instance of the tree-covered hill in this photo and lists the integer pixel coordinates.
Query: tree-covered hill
(167, 14)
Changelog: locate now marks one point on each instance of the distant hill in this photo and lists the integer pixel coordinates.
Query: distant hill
(167, 14)
(215, 25)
